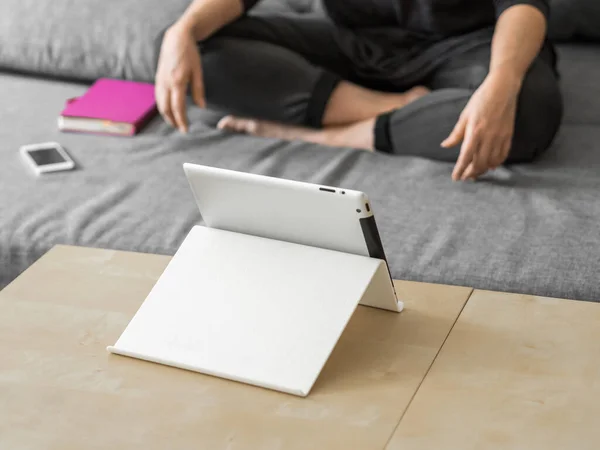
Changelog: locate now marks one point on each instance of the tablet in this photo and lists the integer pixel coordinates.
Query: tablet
(292, 211)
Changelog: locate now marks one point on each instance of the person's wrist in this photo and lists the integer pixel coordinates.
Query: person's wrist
(184, 27)
(508, 76)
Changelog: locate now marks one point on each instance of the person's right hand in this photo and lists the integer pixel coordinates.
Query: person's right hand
(179, 67)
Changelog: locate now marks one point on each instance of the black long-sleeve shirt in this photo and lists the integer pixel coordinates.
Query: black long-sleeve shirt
(428, 17)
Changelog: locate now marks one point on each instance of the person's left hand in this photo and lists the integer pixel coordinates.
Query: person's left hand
(486, 126)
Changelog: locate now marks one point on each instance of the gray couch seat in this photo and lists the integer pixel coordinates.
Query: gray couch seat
(530, 229)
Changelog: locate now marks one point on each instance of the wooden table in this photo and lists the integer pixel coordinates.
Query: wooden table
(517, 372)
(61, 389)
(507, 371)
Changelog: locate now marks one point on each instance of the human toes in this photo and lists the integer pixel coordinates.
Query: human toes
(237, 124)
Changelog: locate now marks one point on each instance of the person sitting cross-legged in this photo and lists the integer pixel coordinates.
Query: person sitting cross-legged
(472, 82)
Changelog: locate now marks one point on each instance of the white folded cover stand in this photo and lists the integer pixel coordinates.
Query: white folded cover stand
(254, 310)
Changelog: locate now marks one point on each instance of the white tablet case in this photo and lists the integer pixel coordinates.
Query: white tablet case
(252, 309)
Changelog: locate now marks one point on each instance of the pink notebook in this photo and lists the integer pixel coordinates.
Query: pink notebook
(110, 107)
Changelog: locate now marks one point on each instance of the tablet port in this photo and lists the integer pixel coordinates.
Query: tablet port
(327, 190)
(368, 207)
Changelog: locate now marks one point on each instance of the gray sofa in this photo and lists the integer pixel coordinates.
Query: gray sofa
(530, 229)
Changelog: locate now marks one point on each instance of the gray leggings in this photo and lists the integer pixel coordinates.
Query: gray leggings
(285, 69)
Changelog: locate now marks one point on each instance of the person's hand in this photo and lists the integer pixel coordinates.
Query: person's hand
(486, 127)
(179, 67)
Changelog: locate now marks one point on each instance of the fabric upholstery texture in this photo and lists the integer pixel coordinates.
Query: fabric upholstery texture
(89, 39)
(575, 20)
(529, 229)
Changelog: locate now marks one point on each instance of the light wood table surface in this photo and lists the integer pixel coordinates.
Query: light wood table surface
(517, 372)
(60, 389)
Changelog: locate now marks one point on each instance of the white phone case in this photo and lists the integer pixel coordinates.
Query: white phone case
(67, 164)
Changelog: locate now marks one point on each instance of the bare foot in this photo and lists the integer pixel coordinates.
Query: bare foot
(358, 135)
(415, 93)
(350, 103)
(396, 101)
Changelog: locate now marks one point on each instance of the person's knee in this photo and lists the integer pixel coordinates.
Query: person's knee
(474, 76)
(257, 79)
(539, 114)
(219, 53)
(224, 63)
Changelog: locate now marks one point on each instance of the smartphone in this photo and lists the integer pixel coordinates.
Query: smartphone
(47, 157)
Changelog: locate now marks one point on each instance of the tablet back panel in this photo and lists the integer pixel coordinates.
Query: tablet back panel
(291, 211)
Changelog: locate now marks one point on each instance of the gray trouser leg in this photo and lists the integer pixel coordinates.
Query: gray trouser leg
(419, 128)
(281, 69)
(264, 81)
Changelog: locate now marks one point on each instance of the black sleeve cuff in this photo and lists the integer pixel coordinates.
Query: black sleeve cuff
(503, 5)
(383, 138)
(248, 4)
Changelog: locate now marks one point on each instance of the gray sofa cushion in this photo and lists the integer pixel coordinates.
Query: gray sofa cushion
(83, 39)
(89, 39)
(530, 229)
(574, 19)
(579, 66)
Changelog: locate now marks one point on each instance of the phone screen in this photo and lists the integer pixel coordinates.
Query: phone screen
(46, 156)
